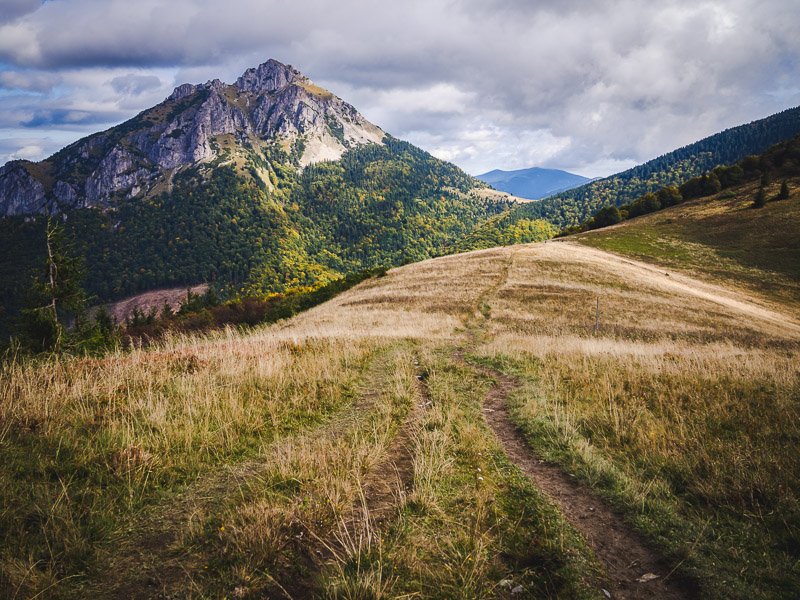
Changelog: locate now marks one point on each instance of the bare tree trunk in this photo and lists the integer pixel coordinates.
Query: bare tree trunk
(52, 274)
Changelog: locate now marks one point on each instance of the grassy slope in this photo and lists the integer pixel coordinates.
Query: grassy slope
(235, 464)
(720, 237)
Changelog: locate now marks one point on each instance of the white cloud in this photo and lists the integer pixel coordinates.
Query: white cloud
(29, 152)
(483, 147)
(437, 98)
(24, 80)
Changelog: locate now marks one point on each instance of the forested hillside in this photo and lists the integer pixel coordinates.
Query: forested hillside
(506, 229)
(779, 162)
(727, 147)
(380, 205)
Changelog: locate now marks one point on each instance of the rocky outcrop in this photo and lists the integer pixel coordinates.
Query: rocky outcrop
(268, 77)
(187, 139)
(183, 90)
(118, 173)
(269, 103)
(66, 195)
(20, 193)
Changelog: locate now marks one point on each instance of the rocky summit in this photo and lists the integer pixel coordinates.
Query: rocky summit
(272, 105)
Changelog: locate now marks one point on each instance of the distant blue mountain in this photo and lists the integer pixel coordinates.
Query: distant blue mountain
(533, 183)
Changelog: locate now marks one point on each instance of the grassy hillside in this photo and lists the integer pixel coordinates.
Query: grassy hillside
(347, 453)
(721, 237)
(725, 148)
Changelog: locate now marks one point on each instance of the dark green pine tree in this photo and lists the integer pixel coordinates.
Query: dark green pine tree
(784, 194)
(761, 198)
(57, 295)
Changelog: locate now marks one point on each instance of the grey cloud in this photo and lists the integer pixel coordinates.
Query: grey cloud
(69, 118)
(612, 80)
(135, 85)
(13, 9)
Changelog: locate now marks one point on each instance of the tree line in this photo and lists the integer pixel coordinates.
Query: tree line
(780, 161)
(728, 147)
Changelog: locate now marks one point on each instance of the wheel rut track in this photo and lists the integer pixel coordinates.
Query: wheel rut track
(624, 553)
(150, 565)
(383, 490)
(385, 486)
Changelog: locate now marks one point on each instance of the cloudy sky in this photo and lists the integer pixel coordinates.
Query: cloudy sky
(589, 86)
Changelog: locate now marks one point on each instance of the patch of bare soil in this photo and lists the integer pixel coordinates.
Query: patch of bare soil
(635, 570)
(156, 299)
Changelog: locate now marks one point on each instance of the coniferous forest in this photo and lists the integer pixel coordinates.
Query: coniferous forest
(725, 148)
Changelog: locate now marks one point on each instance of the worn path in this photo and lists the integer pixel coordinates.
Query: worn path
(383, 491)
(635, 569)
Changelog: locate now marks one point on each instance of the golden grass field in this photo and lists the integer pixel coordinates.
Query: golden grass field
(344, 453)
(721, 238)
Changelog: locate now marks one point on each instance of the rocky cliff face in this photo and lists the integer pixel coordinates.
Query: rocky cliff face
(20, 192)
(196, 124)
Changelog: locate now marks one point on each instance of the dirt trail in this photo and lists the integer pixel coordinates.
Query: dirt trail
(635, 570)
(629, 561)
(385, 486)
(674, 282)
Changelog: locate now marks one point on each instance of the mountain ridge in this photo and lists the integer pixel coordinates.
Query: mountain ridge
(267, 105)
(673, 168)
(532, 183)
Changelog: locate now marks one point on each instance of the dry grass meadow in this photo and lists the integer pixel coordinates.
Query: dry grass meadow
(343, 453)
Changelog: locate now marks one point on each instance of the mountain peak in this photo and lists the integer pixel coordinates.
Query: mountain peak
(212, 123)
(268, 77)
(532, 183)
